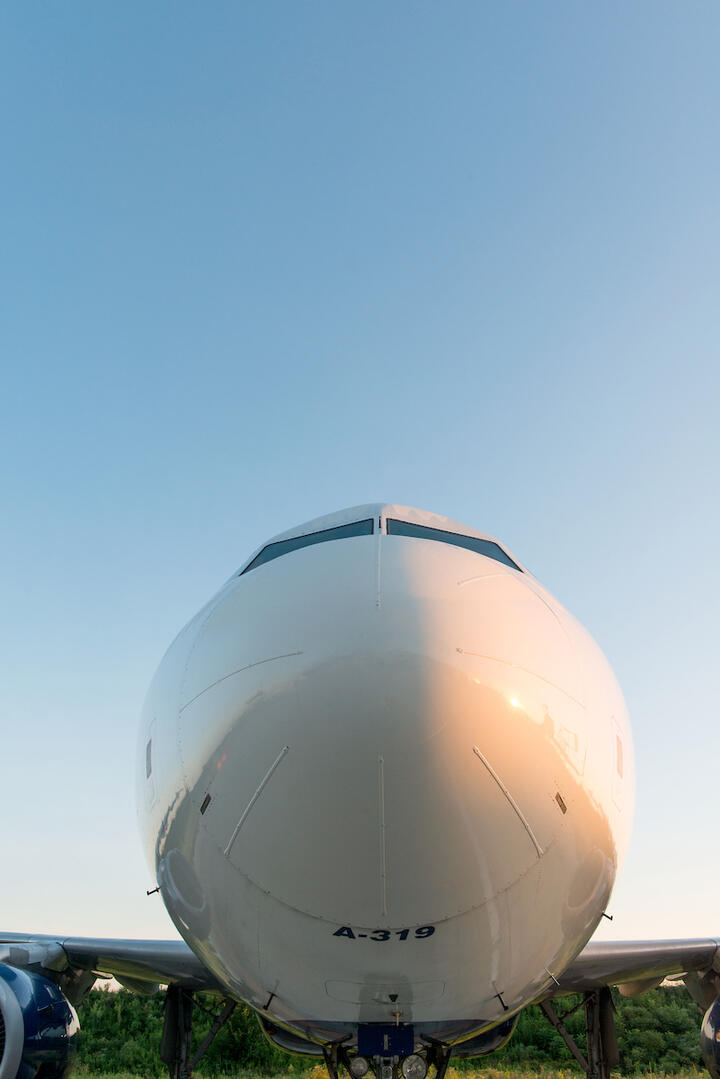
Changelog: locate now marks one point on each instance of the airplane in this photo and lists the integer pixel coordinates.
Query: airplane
(385, 783)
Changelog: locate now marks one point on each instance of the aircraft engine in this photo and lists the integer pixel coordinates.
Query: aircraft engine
(38, 1026)
(710, 1039)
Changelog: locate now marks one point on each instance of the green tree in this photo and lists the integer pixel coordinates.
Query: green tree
(659, 1031)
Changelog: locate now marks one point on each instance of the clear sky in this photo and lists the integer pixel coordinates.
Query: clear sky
(262, 261)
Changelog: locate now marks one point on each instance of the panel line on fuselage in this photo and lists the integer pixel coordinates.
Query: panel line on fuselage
(253, 800)
(518, 811)
(247, 667)
(383, 847)
(526, 670)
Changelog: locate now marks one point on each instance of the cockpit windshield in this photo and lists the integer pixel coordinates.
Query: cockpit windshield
(281, 547)
(472, 543)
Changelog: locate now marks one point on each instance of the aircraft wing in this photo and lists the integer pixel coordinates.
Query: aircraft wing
(637, 965)
(139, 964)
(143, 964)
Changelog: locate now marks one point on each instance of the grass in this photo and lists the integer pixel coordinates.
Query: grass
(319, 1072)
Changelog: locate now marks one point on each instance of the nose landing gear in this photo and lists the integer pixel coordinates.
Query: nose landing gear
(386, 1065)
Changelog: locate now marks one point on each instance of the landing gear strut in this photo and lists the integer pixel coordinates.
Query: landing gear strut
(602, 1046)
(176, 1044)
(331, 1053)
(439, 1055)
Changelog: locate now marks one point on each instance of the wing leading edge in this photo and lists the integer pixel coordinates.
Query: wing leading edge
(636, 965)
(139, 964)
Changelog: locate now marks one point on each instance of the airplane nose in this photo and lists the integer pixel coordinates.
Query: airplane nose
(361, 709)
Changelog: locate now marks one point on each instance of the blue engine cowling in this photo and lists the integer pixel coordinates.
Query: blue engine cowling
(710, 1039)
(38, 1027)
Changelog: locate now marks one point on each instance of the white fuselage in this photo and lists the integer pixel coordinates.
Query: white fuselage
(385, 779)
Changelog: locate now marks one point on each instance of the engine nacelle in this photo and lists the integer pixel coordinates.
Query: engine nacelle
(710, 1039)
(38, 1026)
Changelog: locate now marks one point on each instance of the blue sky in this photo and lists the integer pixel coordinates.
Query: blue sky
(262, 261)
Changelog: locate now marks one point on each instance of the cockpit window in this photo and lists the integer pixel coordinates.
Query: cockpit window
(472, 543)
(275, 550)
